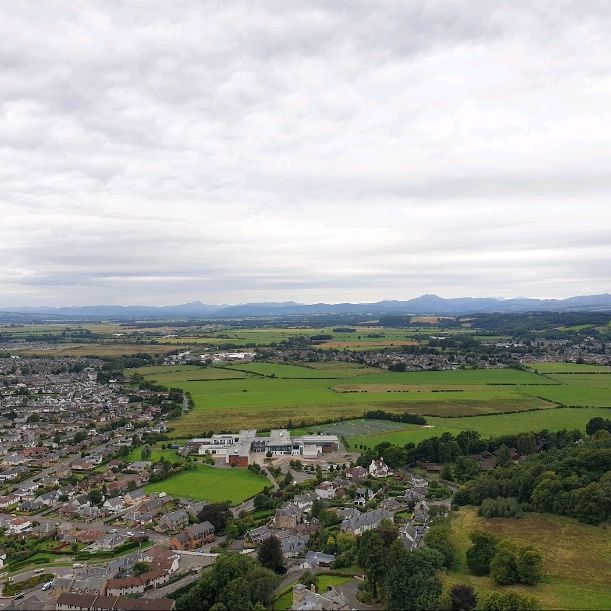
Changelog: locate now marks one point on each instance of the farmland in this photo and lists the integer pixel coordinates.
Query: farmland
(109, 350)
(488, 426)
(577, 558)
(267, 395)
(212, 484)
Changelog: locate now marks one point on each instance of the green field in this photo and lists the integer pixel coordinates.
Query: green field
(212, 484)
(560, 367)
(156, 454)
(488, 426)
(185, 373)
(268, 395)
(576, 558)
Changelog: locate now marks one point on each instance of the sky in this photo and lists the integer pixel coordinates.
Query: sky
(156, 152)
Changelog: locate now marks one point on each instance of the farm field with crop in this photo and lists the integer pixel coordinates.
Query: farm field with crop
(488, 426)
(576, 558)
(212, 484)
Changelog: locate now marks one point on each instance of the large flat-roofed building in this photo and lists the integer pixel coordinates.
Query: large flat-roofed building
(238, 448)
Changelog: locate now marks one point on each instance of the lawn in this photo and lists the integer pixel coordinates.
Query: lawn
(212, 484)
(577, 557)
(156, 454)
(488, 426)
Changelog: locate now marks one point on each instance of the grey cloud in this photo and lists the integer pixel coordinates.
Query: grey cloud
(309, 150)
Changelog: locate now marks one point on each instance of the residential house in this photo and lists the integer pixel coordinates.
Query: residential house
(193, 537)
(308, 599)
(378, 468)
(325, 490)
(114, 504)
(98, 602)
(357, 474)
(173, 521)
(365, 521)
(288, 516)
(317, 560)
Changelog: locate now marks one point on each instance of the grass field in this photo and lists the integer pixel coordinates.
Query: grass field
(99, 350)
(185, 373)
(560, 367)
(267, 395)
(212, 484)
(488, 426)
(156, 454)
(577, 558)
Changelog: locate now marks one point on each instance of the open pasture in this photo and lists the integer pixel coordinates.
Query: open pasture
(576, 558)
(488, 426)
(116, 349)
(309, 395)
(559, 367)
(212, 484)
(185, 373)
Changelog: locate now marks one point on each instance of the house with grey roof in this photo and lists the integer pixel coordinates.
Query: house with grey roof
(365, 521)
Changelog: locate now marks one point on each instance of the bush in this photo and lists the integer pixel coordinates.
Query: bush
(508, 601)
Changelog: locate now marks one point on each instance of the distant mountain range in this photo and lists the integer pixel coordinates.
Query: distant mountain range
(426, 304)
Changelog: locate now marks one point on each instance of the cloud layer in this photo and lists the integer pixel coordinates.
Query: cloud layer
(346, 150)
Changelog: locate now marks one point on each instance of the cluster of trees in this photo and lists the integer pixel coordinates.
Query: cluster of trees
(217, 514)
(402, 579)
(573, 481)
(501, 507)
(379, 414)
(234, 582)
(598, 424)
(505, 562)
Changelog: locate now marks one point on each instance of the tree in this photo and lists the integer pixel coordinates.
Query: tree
(438, 538)
(509, 601)
(481, 552)
(262, 584)
(504, 564)
(146, 452)
(131, 485)
(372, 557)
(530, 566)
(141, 567)
(317, 507)
(95, 496)
(236, 596)
(447, 473)
(217, 514)
(270, 554)
(597, 424)
(288, 479)
(388, 531)
(503, 456)
(462, 598)
(465, 469)
(413, 583)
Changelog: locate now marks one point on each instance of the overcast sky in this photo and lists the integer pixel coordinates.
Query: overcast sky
(160, 152)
